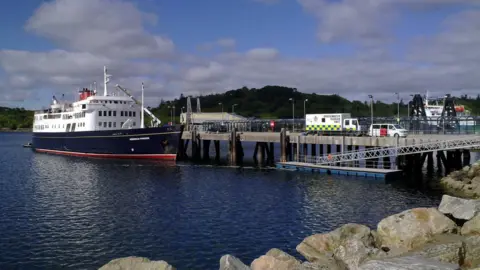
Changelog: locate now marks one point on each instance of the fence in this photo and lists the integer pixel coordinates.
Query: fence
(414, 125)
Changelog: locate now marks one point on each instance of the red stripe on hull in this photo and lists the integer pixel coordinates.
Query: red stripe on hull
(170, 157)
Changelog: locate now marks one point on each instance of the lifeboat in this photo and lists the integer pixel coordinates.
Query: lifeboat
(459, 108)
(85, 93)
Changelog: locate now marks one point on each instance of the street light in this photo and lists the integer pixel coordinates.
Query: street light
(371, 107)
(408, 107)
(221, 104)
(398, 107)
(304, 110)
(293, 113)
(173, 114)
(233, 108)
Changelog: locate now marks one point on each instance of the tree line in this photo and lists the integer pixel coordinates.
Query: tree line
(268, 102)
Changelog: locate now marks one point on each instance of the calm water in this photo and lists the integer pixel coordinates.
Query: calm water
(75, 213)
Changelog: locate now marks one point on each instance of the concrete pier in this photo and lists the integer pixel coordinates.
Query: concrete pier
(294, 147)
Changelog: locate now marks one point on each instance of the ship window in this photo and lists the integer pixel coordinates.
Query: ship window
(84, 106)
(104, 124)
(134, 124)
(129, 113)
(104, 113)
(114, 113)
(99, 124)
(114, 124)
(109, 113)
(121, 113)
(121, 124)
(83, 114)
(133, 114)
(116, 102)
(109, 124)
(99, 113)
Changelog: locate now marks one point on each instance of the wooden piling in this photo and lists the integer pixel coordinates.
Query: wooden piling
(206, 149)
(217, 150)
(283, 145)
(233, 147)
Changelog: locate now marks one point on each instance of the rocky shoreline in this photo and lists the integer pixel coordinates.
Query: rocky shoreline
(463, 183)
(443, 238)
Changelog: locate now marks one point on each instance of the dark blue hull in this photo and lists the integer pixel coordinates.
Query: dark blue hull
(151, 143)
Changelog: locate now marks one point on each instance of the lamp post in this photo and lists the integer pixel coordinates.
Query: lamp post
(170, 109)
(233, 108)
(293, 114)
(408, 107)
(304, 108)
(221, 104)
(173, 114)
(398, 107)
(371, 108)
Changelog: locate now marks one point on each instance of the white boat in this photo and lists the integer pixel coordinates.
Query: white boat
(434, 109)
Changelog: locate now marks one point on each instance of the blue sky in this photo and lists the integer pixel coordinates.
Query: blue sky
(306, 40)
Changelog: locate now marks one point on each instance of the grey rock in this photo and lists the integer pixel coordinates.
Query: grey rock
(471, 227)
(472, 252)
(413, 228)
(318, 266)
(275, 259)
(354, 252)
(321, 246)
(448, 248)
(136, 263)
(408, 263)
(459, 208)
(229, 262)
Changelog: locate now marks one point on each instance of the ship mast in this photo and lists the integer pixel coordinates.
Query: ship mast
(106, 78)
(142, 121)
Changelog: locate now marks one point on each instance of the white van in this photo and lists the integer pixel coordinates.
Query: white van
(391, 130)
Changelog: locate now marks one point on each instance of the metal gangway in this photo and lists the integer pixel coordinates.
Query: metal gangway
(444, 145)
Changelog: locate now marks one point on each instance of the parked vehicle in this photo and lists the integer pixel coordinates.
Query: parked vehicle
(332, 124)
(387, 130)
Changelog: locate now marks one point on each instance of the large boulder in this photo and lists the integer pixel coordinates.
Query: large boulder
(471, 227)
(325, 244)
(474, 170)
(464, 209)
(354, 252)
(275, 259)
(344, 248)
(136, 263)
(229, 262)
(472, 252)
(448, 248)
(408, 263)
(413, 228)
(321, 247)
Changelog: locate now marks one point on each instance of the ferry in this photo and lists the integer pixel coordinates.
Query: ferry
(434, 109)
(104, 126)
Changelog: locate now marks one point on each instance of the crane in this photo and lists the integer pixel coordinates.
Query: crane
(155, 121)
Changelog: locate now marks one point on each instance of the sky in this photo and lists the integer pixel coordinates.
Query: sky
(353, 48)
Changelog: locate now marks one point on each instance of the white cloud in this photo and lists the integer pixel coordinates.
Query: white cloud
(446, 61)
(262, 53)
(107, 27)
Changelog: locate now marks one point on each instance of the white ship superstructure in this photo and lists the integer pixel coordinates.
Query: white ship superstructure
(91, 112)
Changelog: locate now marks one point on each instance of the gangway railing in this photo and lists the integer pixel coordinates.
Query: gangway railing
(462, 143)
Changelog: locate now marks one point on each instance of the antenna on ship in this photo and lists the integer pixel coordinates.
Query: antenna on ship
(142, 121)
(106, 78)
(95, 87)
